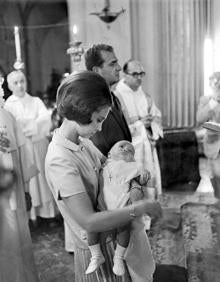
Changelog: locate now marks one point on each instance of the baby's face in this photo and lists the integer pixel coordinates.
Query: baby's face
(123, 150)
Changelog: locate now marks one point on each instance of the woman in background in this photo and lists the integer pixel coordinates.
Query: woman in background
(209, 110)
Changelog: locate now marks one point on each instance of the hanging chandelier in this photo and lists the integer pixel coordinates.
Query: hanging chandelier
(106, 15)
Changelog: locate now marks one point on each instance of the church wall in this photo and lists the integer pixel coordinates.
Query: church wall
(215, 34)
(92, 30)
(47, 48)
(135, 33)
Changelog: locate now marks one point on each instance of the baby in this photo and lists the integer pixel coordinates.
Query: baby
(122, 185)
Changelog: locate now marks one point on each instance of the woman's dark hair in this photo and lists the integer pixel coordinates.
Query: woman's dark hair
(81, 94)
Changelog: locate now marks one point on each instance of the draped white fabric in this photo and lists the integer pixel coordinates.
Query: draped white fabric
(179, 28)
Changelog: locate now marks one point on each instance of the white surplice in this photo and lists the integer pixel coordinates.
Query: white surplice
(31, 113)
(137, 105)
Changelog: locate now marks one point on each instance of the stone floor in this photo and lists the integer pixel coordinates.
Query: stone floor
(52, 261)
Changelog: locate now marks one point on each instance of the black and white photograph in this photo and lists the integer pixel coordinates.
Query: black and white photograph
(109, 141)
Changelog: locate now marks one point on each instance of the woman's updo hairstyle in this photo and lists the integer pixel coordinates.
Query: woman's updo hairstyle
(81, 94)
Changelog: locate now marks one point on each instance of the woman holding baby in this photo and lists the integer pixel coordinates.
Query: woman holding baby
(73, 165)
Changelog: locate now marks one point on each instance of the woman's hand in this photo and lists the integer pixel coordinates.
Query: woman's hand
(151, 208)
(147, 120)
(212, 137)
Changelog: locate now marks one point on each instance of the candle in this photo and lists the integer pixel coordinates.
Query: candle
(17, 43)
(75, 31)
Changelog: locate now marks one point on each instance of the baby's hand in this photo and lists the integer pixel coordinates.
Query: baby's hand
(144, 177)
(136, 194)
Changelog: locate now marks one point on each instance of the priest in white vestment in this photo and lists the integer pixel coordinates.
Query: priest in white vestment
(31, 113)
(143, 118)
(16, 253)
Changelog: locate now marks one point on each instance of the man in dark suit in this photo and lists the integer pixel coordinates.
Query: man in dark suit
(101, 58)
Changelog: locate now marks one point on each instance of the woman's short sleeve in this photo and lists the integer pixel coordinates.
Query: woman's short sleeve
(64, 177)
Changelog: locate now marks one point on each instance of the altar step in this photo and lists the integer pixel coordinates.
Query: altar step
(189, 236)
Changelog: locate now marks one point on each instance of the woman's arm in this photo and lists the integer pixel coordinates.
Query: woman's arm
(83, 212)
(66, 180)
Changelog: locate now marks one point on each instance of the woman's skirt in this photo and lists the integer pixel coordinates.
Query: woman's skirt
(104, 273)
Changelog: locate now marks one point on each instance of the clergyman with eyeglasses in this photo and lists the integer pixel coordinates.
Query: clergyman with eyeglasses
(143, 118)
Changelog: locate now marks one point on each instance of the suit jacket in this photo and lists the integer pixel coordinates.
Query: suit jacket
(114, 129)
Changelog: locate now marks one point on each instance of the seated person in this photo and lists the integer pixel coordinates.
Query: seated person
(123, 183)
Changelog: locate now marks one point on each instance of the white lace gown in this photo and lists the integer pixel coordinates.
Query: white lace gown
(115, 194)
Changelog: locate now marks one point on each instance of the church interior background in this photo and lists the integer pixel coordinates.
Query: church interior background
(167, 36)
(178, 43)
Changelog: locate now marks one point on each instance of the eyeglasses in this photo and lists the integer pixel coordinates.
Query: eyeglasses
(137, 74)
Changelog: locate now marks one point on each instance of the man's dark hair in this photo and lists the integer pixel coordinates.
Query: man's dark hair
(125, 66)
(93, 56)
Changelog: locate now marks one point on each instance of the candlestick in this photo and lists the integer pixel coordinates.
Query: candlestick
(17, 43)
(75, 51)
